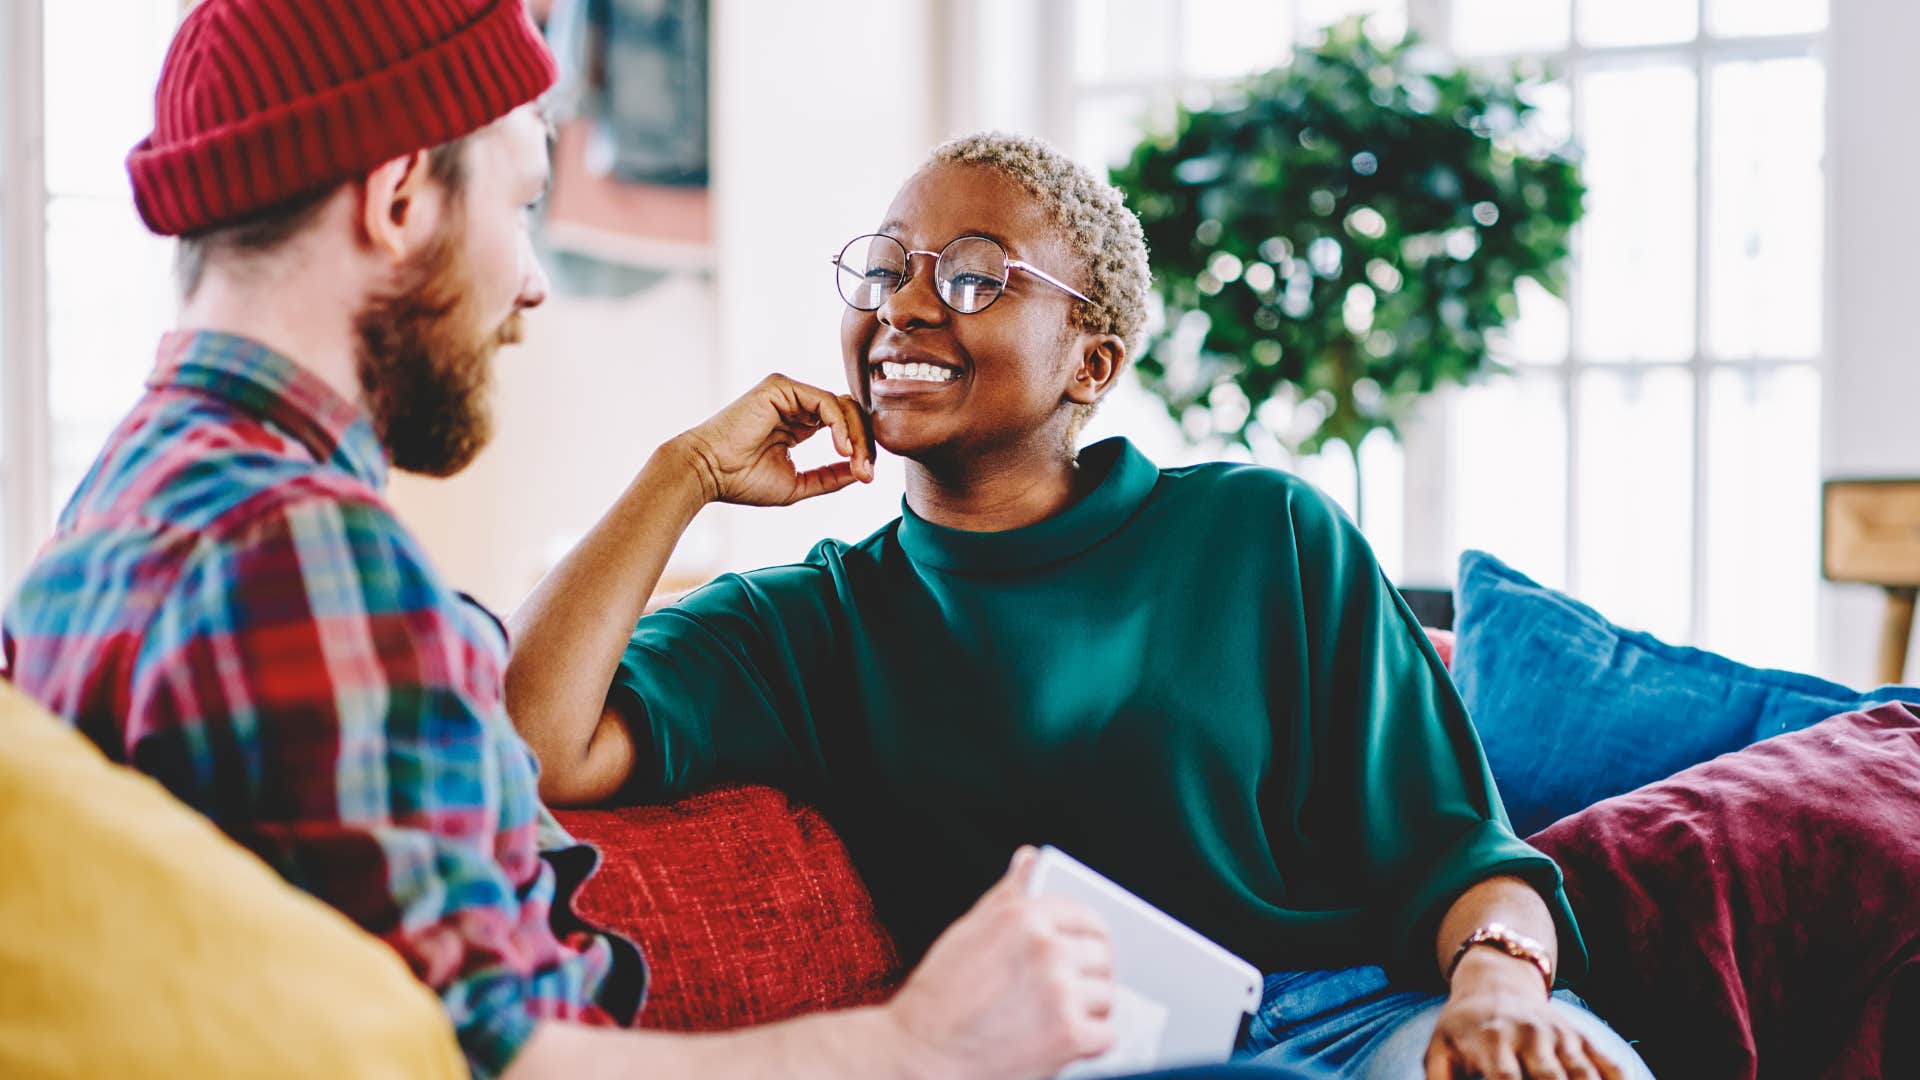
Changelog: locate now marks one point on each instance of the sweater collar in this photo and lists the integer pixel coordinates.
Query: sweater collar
(1128, 479)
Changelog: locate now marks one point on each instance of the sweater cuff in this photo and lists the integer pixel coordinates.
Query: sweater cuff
(1488, 850)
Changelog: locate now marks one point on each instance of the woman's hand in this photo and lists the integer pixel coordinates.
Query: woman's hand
(1499, 1023)
(741, 455)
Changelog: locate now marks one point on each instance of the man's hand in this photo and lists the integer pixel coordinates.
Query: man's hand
(1018, 987)
(741, 454)
(1499, 1023)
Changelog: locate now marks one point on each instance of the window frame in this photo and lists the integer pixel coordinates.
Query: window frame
(1700, 55)
(1427, 542)
(26, 425)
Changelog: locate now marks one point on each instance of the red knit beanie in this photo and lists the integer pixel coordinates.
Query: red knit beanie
(263, 101)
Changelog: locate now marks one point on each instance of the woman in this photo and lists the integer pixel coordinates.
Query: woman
(1196, 680)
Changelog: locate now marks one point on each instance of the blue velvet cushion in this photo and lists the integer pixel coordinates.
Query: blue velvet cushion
(1573, 709)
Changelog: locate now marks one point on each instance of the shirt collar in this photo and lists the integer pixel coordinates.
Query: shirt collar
(1127, 481)
(252, 376)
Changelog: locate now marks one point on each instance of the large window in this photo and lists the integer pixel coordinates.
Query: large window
(19, 259)
(109, 293)
(1658, 453)
(7, 285)
(87, 288)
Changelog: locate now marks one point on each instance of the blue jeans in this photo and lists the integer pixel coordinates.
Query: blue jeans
(1353, 1025)
(1225, 1073)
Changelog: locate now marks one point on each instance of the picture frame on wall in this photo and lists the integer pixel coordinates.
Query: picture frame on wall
(630, 155)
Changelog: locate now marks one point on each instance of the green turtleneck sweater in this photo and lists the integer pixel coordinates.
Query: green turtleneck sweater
(1195, 680)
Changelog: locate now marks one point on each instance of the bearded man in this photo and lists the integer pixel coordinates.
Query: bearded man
(230, 605)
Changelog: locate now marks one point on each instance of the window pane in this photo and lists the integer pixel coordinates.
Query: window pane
(1386, 19)
(1501, 26)
(1767, 214)
(1549, 126)
(6, 360)
(1384, 489)
(1226, 38)
(8, 492)
(1637, 242)
(109, 297)
(1635, 491)
(1106, 127)
(1638, 22)
(1510, 473)
(1383, 464)
(100, 74)
(1730, 18)
(1124, 39)
(1539, 335)
(1000, 88)
(1763, 516)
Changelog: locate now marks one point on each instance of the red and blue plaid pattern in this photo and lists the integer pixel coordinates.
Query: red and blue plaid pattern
(229, 605)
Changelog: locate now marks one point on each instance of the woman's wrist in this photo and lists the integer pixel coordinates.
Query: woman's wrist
(686, 463)
(1483, 968)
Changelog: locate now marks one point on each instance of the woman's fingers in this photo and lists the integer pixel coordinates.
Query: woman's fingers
(824, 480)
(865, 424)
(811, 407)
(1586, 1061)
(1539, 1054)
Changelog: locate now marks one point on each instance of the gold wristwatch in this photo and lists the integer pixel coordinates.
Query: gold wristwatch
(1507, 940)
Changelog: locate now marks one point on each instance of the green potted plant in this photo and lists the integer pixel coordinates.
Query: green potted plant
(1337, 237)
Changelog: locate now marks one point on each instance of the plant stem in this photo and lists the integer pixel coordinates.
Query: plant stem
(1359, 488)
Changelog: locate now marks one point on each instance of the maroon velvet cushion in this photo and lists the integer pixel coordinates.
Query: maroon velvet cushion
(745, 903)
(1759, 914)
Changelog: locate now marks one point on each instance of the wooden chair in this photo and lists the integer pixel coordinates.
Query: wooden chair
(1870, 535)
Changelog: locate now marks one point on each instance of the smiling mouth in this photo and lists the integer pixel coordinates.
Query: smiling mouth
(900, 374)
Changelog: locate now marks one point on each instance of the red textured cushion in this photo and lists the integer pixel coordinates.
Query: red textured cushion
(745, 903)
(1442, 644)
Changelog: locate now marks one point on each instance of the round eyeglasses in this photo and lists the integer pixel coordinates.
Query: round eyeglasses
(968, 274)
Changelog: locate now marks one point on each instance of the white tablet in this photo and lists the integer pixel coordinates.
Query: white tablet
(1181, 997)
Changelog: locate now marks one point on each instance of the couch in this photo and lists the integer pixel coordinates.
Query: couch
(1716, 905)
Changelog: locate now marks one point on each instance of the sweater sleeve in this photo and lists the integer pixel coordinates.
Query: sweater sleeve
(726, 684)
(1405, 787)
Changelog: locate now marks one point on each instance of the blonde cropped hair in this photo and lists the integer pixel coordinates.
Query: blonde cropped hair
(1093, 218)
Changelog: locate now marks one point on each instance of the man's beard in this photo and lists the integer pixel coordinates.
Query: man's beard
(424, 371)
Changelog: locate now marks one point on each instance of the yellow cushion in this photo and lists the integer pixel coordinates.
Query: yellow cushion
(137, 940)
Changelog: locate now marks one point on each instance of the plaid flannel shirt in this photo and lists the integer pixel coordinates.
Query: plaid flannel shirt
(229, 605)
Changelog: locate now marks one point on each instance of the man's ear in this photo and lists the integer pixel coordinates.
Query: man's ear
(392, 216)
(1102, 358)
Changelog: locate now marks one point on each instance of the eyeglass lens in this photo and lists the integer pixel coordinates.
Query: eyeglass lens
(970, 273)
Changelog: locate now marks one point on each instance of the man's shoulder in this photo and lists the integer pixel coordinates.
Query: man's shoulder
(185, 462)
(177, 549)
(189, 500)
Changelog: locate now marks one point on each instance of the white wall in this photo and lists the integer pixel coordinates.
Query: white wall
(577, 409)
(819, 112)
(1872, 405)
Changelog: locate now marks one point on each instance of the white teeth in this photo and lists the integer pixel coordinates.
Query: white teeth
(916, 372)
